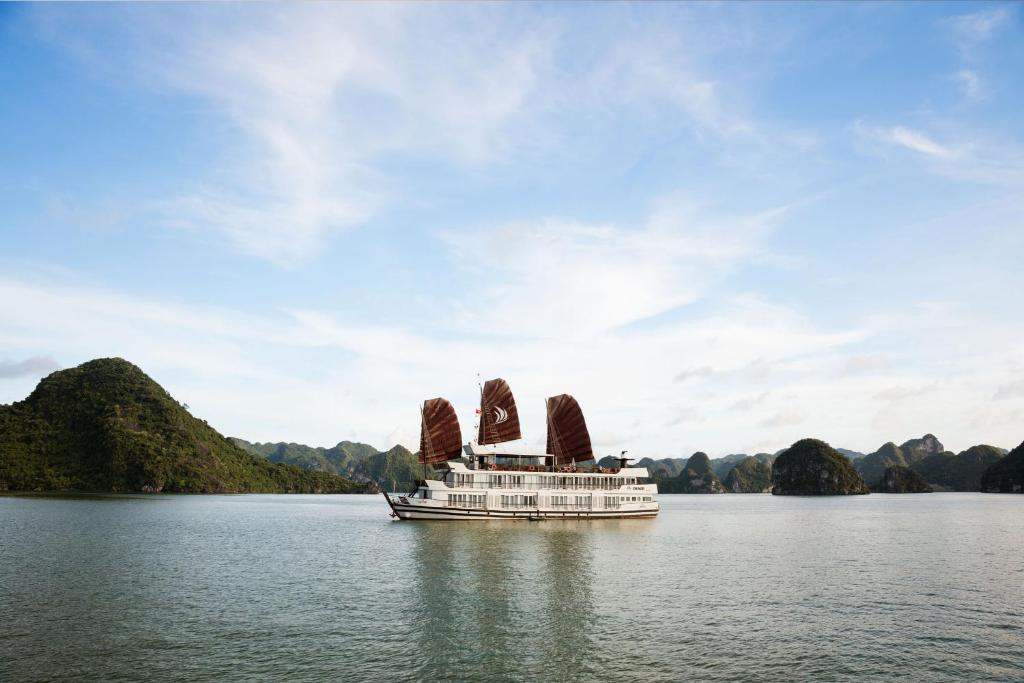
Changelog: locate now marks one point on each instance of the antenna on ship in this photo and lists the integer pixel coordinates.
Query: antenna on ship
(423, 426)
(480, 406)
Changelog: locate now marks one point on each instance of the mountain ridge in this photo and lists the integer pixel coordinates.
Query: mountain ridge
(395, 469)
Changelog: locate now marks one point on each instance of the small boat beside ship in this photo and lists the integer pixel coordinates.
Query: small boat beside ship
(488, 479)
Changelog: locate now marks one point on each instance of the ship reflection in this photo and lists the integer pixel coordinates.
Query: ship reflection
(502, 600)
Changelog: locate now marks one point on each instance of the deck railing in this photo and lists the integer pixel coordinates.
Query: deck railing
(539, 486)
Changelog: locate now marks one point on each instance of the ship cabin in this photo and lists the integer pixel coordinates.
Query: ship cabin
(530, 480)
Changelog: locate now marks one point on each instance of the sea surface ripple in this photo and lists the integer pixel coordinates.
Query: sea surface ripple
(311, 588)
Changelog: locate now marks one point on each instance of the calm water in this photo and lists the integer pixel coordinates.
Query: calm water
(328, 587)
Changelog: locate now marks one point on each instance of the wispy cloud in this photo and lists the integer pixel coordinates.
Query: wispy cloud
(990, 160)
(369, 378)
(972, 29)
(907, 138)
(691, 373)
(314, 97)
(969, 83)
(900, 393)
(320, 106)
(784, 419)
(561, 279)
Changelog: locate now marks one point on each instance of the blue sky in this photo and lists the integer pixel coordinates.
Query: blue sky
(721, 227)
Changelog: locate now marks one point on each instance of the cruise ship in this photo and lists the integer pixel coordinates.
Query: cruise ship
(486, 479)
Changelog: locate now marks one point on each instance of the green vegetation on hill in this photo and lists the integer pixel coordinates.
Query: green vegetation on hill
(872, 467)
(900, 479)
(106, 426)
(750, 475)
(1006, 475)
(722, 466)
(813, 468)
(960, 472)
(394, 470)
(697, 477)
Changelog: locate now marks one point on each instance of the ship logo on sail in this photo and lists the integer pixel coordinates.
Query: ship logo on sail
(500, 415)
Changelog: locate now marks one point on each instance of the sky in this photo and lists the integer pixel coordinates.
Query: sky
(721, 227)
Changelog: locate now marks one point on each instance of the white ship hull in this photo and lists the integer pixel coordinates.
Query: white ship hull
(529, 493)
(419, 510)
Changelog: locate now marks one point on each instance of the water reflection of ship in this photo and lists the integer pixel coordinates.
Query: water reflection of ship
(502, 604)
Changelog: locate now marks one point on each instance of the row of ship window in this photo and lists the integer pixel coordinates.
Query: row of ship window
(512, 481)
(479, 500)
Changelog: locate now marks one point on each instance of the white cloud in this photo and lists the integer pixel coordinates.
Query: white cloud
(785, 419)
(313, 99)
(908, 138)
(317, 376)
(969, 83)
(866, 363)
(994, 159)
(975, 28)
(657, 66)
(562, 280)
(899, 393)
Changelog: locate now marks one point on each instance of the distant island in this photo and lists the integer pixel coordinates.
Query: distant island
(916, 466)
(107, 426)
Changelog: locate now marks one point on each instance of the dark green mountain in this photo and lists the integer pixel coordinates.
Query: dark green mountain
(392, 470)
(697, 477)
(900, 479)
(750, 475)
(1006, 475)
(872, 467)
(668, 468)
(722, 466)
(960, 472)
(813, 468)
(663, 468)
(106, 426)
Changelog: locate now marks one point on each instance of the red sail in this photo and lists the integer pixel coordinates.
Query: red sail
(499, 419)
(568, 438)
(440, 436)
